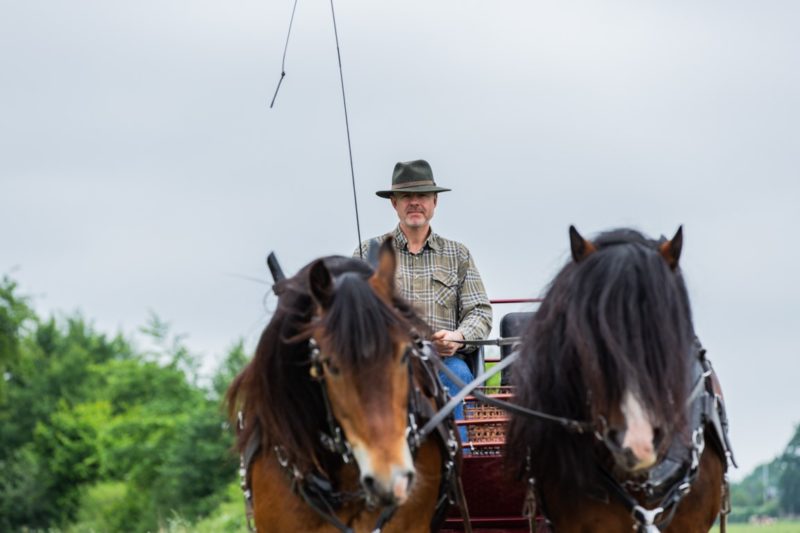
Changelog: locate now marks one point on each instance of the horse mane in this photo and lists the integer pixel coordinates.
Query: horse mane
(617, 317)
(275, 391)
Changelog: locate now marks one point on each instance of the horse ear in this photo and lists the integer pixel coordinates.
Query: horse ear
(671, 250)
(320, 284)
(383, 279)
(581, 248)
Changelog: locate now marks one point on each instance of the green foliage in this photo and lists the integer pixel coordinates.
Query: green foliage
(98, 436)
(24, 497)
(101, 505)
(227, 517)
(168, 350)
(233, 363)
(789, 483)
(196, 464)
(15, 314)
(771, 489)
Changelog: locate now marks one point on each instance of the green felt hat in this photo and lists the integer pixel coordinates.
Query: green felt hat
(412, 176)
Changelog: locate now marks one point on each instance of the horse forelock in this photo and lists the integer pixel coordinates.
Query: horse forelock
(361, 329)
(615, 321)
(276, 391)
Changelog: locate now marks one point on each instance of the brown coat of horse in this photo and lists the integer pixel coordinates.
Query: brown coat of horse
(340, 348)
(613, 347)
(277, 508)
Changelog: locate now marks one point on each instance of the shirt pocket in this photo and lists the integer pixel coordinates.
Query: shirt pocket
(445, 288)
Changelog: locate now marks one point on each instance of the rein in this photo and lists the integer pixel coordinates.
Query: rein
(647, 520)
(500, 341)
(574, 426)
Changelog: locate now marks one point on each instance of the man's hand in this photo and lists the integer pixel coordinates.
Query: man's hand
(441, 340)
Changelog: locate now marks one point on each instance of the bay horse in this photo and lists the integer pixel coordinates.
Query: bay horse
(330, 407)
(612, 350)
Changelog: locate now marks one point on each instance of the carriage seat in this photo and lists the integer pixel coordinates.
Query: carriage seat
(512, 325)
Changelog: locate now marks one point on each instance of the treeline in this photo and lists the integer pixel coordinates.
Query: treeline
(772, 489)
(97, 435)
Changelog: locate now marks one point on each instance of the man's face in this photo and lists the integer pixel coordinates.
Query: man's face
(414, 209)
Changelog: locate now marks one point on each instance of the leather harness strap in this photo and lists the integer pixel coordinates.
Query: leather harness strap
(317, 491)
(575, 426)
(706, 411)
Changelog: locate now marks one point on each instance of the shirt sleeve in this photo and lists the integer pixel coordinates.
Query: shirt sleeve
(360, 251)
(364, 248)
(474, 309)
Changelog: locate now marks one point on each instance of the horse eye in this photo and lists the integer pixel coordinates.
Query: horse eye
(332, 368)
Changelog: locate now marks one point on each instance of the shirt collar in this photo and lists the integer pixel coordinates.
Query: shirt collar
(433, 241)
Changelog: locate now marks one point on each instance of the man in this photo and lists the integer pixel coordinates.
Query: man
(435, 274)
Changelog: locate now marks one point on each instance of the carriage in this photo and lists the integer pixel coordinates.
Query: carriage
(495, 504)
(613, 447)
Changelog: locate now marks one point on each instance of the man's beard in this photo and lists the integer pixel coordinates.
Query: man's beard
(416, 222)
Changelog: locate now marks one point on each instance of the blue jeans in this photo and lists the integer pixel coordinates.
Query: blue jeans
(461, 370)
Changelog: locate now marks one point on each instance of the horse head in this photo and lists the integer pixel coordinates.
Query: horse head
(633, 307)
(363, 347)
(610, 345)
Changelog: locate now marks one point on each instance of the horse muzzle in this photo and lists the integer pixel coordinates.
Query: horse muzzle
(389, 483)
(394, 491)
(630, 453)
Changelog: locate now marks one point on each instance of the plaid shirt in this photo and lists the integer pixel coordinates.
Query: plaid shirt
(443, 283)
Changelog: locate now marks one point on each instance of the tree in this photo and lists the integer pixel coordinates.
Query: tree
(15, 314)
(169, 350)
(68, 445)
(198, 464)
(789, 483)
(230, 367)
(87, 420)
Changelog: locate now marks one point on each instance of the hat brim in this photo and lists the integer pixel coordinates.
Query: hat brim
(420, 188)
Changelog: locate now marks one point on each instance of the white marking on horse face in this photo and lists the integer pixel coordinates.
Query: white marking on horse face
(393, 482)
(639, 432)
(363, 460)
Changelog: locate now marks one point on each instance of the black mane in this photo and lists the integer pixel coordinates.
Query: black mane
(618, 317)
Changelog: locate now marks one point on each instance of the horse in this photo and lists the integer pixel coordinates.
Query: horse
(612, 351)
(330, 405)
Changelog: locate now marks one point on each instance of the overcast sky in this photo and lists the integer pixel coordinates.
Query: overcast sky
(141, 168)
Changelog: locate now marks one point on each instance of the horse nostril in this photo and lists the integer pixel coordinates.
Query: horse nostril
(615, 437)
(369, 483)
(658, 437)
(410, 476)
(630, 459)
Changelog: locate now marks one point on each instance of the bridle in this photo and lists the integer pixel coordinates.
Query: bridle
(315, 488)
(703, 401)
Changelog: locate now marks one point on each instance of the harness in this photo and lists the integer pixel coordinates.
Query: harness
(315, 488)
(664, 485)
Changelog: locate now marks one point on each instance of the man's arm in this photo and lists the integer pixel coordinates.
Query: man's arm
(474, 309)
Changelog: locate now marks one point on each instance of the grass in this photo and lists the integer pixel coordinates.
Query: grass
(778, 527)
(494, 381)
(229, 517)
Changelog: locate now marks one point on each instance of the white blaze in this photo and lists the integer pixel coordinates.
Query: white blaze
(395, 482)
(639, 432)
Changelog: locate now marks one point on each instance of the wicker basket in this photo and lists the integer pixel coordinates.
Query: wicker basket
(486, 424)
